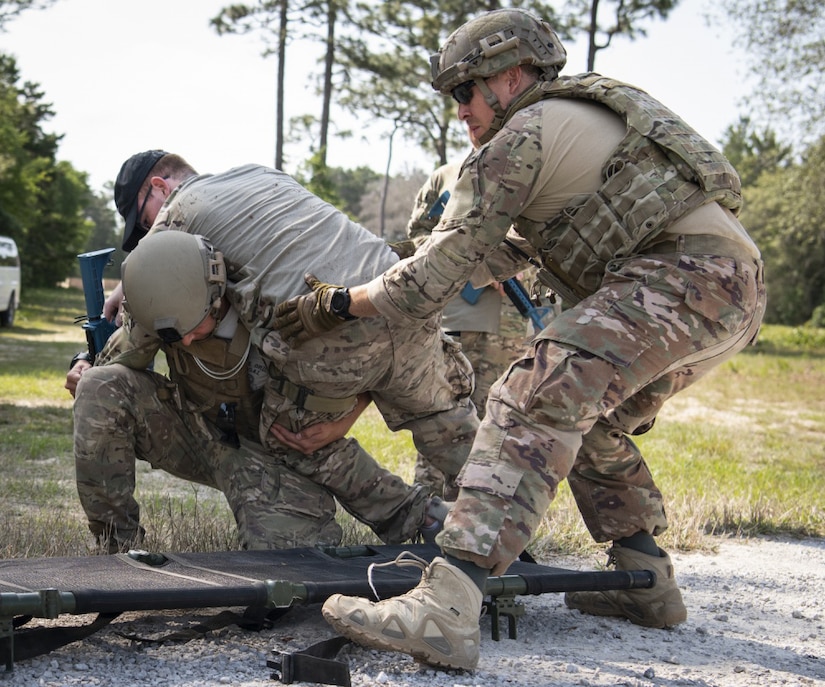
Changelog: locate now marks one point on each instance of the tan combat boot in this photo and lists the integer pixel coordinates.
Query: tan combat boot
(436, 622)
(660, 606)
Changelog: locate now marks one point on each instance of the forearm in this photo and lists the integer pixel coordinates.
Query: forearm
(416, 289)
(360, 304)
(316, 436)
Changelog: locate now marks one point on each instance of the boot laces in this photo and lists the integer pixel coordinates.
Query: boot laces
(405, 559)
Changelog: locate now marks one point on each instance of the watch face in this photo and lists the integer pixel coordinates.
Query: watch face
(338, 302)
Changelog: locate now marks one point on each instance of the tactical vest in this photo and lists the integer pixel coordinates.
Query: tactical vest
(205, 389)
(661, 170)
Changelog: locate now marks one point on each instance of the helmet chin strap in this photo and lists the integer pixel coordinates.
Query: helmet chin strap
(220, 306)
(500, 116)
(531, 95)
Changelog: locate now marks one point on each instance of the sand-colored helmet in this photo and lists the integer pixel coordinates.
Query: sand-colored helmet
(494, 42)
(171, 281)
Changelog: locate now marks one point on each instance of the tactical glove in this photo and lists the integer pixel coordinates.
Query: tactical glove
(304, 317)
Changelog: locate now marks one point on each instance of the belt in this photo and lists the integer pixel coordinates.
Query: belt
(699, 244)
(307, 399)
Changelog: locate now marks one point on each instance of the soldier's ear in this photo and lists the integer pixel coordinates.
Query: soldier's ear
(161, 184)
(516, 77)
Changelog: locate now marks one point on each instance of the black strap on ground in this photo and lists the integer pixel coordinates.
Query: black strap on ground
(37, 641)
(254, 618)
(316, 663)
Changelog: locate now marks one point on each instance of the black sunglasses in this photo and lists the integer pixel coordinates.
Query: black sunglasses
(463, 93)
(138, 220)
(146, 226)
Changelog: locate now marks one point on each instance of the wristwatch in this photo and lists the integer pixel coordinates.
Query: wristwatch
(83, 355)
(339, 304)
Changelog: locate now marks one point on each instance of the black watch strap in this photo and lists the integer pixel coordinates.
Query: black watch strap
(340, 304)
(83, 355)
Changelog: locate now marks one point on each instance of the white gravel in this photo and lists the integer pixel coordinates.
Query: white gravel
(756, 618)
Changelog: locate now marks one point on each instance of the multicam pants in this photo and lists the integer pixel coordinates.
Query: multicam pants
(490, 355)
(600, 372)
(415, 375)
(122, 415)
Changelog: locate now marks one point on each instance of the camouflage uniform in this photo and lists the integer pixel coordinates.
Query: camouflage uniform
(271, 231)
(124, 412)
(661, 284)
(490, 329)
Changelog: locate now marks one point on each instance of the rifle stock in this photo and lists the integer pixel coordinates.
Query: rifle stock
(98, 329)
(438, 207)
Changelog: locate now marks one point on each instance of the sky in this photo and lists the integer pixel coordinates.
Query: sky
(125, 76)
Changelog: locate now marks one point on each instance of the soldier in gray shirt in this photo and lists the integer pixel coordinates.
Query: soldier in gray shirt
(271, 232)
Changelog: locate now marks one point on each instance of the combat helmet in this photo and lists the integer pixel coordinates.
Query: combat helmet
(172, 281)
(494, 42)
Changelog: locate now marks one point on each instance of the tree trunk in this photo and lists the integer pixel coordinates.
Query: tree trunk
(382, 218)
(591, 34)
(279, 87)
(329, 60)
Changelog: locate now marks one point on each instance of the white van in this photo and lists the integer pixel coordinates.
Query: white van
(9, 281)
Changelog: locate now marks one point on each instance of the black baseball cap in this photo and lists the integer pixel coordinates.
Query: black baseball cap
(129, 180)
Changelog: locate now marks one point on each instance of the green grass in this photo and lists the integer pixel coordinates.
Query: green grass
(739, 454)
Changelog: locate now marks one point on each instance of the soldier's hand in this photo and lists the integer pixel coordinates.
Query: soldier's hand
(74, 375)
(315, 437)
(113, 306)
(304, 317)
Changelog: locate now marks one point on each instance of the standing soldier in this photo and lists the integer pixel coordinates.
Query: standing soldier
(491, 330)
(633, 215)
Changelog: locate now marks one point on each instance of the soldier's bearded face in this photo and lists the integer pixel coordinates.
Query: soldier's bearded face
(477, 114)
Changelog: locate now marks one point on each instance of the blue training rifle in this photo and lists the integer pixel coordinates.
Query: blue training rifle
(98, 329)
(512, 287)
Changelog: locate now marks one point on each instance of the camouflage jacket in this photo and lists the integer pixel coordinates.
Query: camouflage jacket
(649, 176)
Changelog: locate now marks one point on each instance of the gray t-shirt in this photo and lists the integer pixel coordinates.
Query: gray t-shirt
(271, 231)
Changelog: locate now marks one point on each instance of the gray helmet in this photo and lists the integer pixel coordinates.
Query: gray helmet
(171, 281)
(494, 42)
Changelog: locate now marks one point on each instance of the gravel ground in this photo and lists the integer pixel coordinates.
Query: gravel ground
(756, 618)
